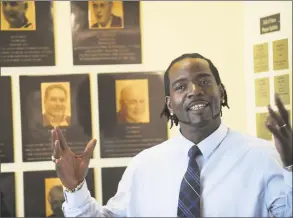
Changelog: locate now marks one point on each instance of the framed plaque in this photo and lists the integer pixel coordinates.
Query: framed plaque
(129, 112)
(106, 32)
(111, 177)
(48, 101)
(7, 192)
(6, 121)
(27, 33)
(44, 189)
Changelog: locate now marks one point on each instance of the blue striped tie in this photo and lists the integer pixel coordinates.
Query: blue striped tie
(189, 196)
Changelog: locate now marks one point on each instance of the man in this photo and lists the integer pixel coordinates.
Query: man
(132, 104)
(103, 13)
(15, 14)
(55, 105)
(208, 170)
(56, 199)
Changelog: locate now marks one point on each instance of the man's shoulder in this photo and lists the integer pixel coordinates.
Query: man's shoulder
(259, 148)
(158, 150)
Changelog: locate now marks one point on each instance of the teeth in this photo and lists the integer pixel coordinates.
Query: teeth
(197, 107)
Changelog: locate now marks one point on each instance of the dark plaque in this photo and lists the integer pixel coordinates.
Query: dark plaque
(129, 112)
(110, 179)
(7, 191)
(6, 126)
(27, 34)
(48, 101)
(270, 24)
(106, 32)
(43, 193)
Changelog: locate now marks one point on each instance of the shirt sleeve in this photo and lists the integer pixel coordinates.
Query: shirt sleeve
(81, 204)
(278, 190)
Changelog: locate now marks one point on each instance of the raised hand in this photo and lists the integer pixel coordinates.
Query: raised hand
(71, 169)
(280, 127)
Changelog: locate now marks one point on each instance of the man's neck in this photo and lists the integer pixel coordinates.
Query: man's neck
(23, 22)
(198, 133)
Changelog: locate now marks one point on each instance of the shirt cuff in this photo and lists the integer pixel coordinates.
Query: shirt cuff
(78, 198)
(287, 178)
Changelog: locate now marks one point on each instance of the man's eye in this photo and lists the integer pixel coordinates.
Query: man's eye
(205, 82)
(179, 87)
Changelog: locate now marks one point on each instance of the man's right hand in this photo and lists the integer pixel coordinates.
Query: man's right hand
(71, 169)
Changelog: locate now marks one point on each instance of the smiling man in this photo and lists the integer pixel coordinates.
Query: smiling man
(209, 170)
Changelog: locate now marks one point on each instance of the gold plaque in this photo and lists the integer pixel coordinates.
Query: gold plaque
(261, 129)
(262, 92)
(282, 87)
(280, 54)
(261, 58)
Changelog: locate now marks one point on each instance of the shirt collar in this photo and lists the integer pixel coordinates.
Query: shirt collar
(209, 144)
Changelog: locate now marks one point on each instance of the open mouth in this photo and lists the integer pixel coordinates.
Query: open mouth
(198, 106)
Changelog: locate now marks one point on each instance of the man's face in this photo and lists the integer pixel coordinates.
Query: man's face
(133, 104)
(55, 103)
(102, 11)
(56, 201)
(195, 96)
(14, 12)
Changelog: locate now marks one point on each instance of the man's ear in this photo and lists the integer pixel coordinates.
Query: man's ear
(221, 92)
(169, 104)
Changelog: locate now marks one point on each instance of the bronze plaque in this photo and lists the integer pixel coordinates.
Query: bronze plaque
(7, 195)
(282, 88)
(106, 32)
(280, 54)
(261, 58)
(262, 92)
(48, 101)
(129, 113)
(6, 121)
(44, 188)
(111, 177)
(261, 129)
(27, 33)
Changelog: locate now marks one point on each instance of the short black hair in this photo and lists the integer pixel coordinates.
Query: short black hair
(166, 112)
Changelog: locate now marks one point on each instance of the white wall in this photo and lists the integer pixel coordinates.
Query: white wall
(214, 29)
(253, 11)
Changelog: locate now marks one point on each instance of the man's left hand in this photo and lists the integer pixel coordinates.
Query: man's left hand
(280, 127)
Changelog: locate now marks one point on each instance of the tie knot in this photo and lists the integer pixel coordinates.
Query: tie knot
(194, 151)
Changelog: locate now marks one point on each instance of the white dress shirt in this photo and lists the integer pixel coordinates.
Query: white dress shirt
(241, 177)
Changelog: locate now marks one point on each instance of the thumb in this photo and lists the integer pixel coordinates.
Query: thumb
(88, 152)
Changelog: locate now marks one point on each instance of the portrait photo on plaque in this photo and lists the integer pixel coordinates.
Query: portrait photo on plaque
(27, 33)
(106, 32)
(6, 121)
(56, 100)
(111, 177)
(18, 16)
(129, 112)
(43, 193)
(8, 195)
(105, 14)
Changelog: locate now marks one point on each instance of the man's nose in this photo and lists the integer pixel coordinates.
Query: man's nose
(194, 90)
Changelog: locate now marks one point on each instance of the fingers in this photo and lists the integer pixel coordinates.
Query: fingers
(88, 152)
(54, 137)
(278, 120)
(283, 112)
(61, 138)
(57, 149)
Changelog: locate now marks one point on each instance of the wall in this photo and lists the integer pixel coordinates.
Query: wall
(253, 11)
(214, 29)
